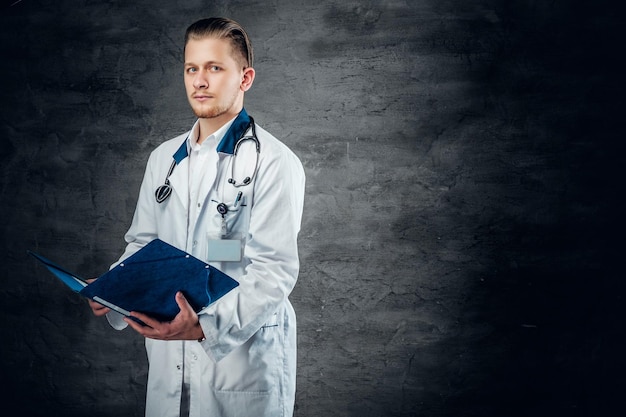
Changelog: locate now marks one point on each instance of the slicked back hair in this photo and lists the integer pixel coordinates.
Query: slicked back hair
(223, 28)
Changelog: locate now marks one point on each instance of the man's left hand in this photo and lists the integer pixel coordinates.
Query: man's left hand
(185, 326)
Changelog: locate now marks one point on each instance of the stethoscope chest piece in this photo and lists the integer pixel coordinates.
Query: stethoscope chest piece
(163, 192)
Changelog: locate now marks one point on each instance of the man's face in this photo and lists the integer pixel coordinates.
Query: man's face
(213, 78)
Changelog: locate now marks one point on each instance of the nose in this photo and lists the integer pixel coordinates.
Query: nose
(200, 80)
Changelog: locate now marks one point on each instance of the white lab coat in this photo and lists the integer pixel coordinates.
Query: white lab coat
(247, 364)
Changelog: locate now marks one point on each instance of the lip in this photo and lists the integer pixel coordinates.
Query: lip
(202, 97)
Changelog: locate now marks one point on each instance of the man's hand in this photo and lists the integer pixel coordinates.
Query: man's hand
(185, 326)
(97, 308)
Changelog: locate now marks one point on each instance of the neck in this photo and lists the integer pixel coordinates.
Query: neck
(208, 126)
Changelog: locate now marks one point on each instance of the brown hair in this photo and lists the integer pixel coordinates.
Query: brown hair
(223, 28)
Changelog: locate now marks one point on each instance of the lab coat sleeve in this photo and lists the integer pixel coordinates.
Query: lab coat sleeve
(272, 253)
(141, 232)
(144, 227)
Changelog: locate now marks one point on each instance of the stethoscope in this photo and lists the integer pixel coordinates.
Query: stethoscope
(163, 192)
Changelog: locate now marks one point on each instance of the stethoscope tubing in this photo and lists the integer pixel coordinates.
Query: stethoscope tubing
(163, 192)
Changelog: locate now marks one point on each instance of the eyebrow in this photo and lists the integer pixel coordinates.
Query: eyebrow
(204, 64)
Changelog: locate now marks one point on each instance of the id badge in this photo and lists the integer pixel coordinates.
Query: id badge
(226, 249)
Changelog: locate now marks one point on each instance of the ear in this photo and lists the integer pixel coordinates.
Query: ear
(247, 79)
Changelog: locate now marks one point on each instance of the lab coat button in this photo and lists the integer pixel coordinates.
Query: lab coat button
(178, 367)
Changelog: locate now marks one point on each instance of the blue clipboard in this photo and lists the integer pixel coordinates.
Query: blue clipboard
(148, 280)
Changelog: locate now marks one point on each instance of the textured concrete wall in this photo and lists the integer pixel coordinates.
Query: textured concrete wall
(459, 245)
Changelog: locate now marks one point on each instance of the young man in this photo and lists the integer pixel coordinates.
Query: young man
(238, 356)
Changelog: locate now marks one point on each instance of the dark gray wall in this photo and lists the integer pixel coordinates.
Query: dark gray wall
(460, 243)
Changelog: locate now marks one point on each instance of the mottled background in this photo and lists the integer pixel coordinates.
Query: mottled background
(462, 236)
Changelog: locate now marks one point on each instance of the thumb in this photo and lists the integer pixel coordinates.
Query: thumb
(182, 301)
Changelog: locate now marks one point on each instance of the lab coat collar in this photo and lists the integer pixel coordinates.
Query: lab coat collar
(236, 130)
(228, 142)
(179, 178)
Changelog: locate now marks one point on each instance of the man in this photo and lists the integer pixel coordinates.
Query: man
(201, 192)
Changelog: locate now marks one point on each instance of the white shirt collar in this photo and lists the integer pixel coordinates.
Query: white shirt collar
(211, 141)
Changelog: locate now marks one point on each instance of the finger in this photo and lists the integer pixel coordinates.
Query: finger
(142, 330)
(101, 312)
(146, 319)
(182, 302)
(98, 309)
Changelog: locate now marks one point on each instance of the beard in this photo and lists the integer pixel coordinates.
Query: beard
(216, 110)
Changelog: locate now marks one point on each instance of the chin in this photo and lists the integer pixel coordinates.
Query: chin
(208, 113)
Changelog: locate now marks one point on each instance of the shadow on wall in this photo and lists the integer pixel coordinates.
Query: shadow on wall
(465, 224)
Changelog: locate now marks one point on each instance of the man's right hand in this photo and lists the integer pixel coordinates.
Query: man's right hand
(97, 308)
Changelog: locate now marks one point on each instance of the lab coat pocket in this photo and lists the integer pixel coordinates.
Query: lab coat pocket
(253, 367)
(253, 404)
(230, 217)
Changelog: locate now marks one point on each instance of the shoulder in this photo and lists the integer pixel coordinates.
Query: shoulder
(168, 148)
(272, 148)
(171, 144)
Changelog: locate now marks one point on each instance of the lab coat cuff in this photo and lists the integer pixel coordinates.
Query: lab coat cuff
(116, 320)
(209, 341)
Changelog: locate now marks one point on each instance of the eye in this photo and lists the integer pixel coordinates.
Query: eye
(191, 70)
(215, 68)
